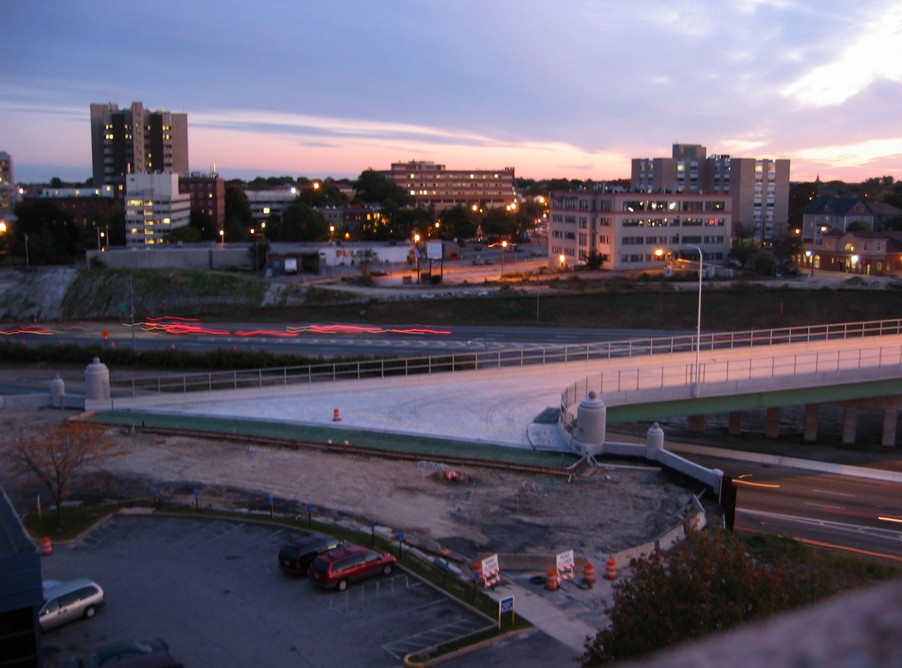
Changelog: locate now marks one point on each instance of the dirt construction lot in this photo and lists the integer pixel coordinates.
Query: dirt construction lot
(601, 511)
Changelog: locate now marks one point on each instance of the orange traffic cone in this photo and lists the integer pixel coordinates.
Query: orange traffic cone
(589, 574)
(611, 572)
(336, 415)
(46, 547)
(551, 582)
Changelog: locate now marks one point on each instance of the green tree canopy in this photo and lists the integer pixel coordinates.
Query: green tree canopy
(299, 222)
(237, 207)
(322, 194)
(707, 584)
(375, 188)
(51, 235)
(458, 223)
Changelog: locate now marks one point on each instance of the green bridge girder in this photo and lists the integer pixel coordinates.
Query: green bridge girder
(713, 405)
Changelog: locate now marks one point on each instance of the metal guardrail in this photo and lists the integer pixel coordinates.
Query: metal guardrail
(728, 371)
(521, 357)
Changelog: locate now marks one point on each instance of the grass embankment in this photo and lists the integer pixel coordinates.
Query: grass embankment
(98, 294)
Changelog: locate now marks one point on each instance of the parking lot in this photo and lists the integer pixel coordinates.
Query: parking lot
(213, 590)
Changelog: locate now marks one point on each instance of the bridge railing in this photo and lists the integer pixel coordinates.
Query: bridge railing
(636, 379)
(502, 358)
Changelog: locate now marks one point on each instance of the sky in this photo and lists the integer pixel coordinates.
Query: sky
(563, 89)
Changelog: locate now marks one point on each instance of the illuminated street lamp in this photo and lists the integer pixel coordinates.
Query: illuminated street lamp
(416, 252)
(698, 325)
(222, 237)
(810, 255)
(503, 248)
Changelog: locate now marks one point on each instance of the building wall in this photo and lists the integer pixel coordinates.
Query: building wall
(136, 141)
(264, 203)
(7, 191)
(628, 229)
(436, 188)
(207, 193)
(759, 187)
(153, 207)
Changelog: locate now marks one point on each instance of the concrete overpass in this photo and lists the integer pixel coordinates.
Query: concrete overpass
(853, 374)
(505, 397)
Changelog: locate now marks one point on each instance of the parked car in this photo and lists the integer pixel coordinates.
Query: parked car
(118, 652)
(66, 601)
(349, 563)
(295, 558)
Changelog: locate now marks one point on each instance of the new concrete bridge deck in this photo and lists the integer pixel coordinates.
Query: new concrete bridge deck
(499, 406)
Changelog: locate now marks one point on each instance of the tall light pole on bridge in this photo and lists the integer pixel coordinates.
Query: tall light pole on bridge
(698, 325)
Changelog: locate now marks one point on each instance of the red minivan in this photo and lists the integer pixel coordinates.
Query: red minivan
(338, 568)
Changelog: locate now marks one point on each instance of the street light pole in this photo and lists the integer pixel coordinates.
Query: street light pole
(698, 322)
(503, 248)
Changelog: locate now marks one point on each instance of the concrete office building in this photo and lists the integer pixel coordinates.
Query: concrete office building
(436, 188)
(153, 207)
(637, 231)
(136, 141)
(758, 188)
(266, 203)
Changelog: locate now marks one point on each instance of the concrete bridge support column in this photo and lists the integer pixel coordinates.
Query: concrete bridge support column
(772, 428)
(849, 424)
(890, 419)
(811, 423)
(696, 423)
(735, 423)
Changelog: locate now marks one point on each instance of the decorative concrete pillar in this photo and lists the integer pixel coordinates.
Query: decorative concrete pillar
(849, 424)
(735, 423)
(591, 423)
(654, 442)
(890, 419)
(97, 380)
(57, 392)
(810, 423)
(696, 423)
(772, 428)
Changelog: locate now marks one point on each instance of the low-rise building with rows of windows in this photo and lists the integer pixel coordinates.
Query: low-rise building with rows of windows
(637, 231)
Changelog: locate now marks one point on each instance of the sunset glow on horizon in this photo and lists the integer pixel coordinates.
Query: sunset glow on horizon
(573, 90)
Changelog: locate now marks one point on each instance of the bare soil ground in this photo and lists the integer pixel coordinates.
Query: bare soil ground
(605, 510)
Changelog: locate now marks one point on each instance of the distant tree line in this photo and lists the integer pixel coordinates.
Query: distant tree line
(45, 235)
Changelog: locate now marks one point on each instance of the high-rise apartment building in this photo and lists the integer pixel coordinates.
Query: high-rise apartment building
(153, 208)
(136, 141)
(759, 188)
(7, 191)
(436, 188)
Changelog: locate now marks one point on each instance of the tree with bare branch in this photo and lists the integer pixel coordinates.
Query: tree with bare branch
(53, 454)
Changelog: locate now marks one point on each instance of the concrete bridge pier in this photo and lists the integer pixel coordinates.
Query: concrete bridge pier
(735, 423)
(696, 423)
(849, 424)
(772, 428)
(811, 415)
(890, 420)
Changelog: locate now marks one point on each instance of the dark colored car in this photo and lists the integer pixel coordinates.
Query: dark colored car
(295, 558)
(125, 652)
(340, 567)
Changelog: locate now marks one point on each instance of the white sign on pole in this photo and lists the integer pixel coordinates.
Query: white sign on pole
(434, 250)
(565, 561)
(490, 564)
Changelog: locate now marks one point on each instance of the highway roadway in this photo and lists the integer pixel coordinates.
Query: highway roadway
(310, 339)
(842, 513)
